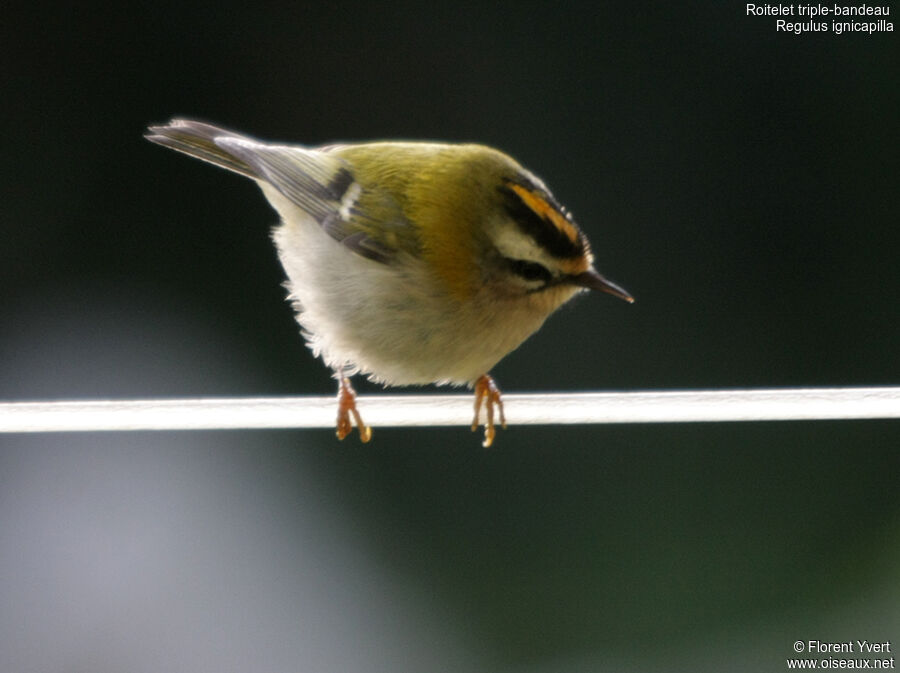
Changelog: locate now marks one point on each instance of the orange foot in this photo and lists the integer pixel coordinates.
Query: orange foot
(346, 408)
(488, 394)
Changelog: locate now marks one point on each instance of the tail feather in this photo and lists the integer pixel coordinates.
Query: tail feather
(198, 140)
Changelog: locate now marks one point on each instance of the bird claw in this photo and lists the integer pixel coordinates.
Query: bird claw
(346, 409)
(487, 394)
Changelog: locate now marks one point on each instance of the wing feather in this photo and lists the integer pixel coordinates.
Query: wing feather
(320, 183)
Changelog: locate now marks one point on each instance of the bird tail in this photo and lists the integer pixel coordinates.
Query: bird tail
(198, 140)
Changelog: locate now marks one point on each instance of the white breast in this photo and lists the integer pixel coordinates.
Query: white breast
(388, 321)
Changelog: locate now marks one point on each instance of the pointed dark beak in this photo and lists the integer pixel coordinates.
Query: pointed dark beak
(594, 281)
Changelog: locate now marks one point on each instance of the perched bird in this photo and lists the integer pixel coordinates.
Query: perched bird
(409, 262)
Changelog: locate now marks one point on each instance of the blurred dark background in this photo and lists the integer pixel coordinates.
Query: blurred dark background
(740, 182)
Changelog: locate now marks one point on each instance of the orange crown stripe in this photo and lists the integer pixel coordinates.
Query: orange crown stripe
(546, 211)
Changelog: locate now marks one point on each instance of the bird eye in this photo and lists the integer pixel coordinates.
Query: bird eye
(530, 271)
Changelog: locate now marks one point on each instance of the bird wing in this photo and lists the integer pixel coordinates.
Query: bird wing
(367, 221)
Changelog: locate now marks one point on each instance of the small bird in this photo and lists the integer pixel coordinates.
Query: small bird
(409, 262)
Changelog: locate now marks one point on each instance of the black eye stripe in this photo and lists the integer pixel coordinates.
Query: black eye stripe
(530, 271)
(542, 231)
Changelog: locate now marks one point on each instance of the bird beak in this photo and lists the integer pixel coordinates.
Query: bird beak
(594, 281)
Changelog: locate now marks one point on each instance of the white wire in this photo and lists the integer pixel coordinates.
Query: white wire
(433, 410)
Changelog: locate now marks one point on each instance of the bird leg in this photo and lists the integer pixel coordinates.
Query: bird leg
(347, 408)
(488, 394)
